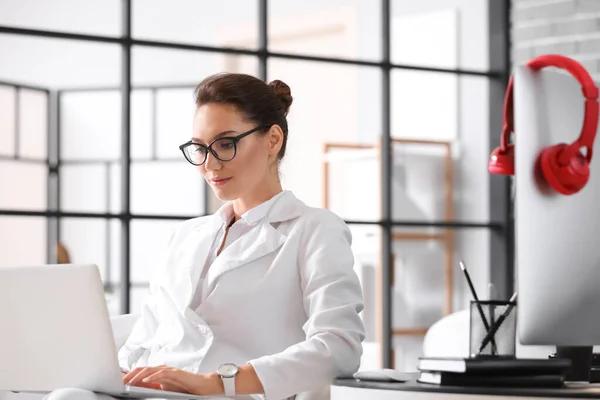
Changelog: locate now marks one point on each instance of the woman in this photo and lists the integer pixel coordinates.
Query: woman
(261, 297)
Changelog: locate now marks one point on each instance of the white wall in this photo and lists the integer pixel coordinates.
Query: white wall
(332, 103)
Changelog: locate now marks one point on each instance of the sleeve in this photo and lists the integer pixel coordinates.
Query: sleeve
(135, 350)
(332, 298)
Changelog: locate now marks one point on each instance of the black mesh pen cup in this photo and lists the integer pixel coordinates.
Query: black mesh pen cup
(493, 325)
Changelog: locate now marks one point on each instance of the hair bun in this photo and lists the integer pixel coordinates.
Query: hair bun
(283, 92)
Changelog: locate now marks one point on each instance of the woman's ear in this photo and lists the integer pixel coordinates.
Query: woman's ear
(275, 139)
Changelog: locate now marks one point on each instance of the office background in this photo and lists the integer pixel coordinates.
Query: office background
(397, 104)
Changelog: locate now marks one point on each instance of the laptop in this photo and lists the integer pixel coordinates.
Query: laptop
(55, 332)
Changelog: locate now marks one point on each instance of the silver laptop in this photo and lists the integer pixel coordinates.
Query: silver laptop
(55, 332)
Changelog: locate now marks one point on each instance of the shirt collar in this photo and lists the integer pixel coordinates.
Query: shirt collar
(251, 216)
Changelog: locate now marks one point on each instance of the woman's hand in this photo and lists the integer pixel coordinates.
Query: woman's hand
(141, 384)
(171, 379)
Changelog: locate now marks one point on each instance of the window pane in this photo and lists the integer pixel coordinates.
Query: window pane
(142, 112)
(83, 187)
(164, 67)
(214, 23)
(113, 273)
(22, 240)
(90, 125)
(149, 240)
(23, 185)
(412, 104)
(427, 283)
(7, 120)
(353, 183)
(95, 241)
(90, 130)
(455, 32)
(33, 124)
(346, 29)
(366, 249)
(440, 164)
(419, 284)
(115, 187)
(85, 240)
(333, 105)
(166, 188)
(59, 63)
(173, 118)
(99, 17)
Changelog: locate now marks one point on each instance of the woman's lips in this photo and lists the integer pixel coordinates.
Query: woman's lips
(220, 181)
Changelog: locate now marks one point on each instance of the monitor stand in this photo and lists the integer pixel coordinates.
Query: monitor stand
(581, 362)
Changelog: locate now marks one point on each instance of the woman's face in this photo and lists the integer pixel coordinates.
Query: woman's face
(233, 179)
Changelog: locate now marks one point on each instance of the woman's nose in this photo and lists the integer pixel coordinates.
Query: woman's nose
(212, 163)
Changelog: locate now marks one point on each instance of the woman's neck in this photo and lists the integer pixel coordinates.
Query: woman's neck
(258, 196)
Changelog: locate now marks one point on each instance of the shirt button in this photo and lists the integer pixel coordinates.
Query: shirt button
(203, 329)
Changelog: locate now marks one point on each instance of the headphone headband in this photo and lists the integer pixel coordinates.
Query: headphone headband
(590, 92)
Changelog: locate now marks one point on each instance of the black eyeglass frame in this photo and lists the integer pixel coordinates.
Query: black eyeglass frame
(233, 139)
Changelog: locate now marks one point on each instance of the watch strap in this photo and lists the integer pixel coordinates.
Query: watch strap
(229, 385)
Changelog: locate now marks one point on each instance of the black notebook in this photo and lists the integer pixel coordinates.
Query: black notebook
(505, 366)
(521, 381)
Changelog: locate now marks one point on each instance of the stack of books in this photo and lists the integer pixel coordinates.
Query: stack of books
(497, 371)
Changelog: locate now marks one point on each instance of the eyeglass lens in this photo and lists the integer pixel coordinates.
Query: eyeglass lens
(223, 149)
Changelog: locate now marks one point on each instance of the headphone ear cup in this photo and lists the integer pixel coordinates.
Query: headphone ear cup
(502, 162)
(566, 179)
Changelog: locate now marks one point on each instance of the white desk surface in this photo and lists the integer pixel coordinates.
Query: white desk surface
(351, 389)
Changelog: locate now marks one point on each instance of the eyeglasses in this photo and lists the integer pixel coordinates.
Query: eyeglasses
(224, 149)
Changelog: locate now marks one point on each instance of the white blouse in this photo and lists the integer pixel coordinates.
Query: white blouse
(247, 221)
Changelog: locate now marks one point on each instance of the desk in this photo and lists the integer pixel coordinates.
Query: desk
(351, 389)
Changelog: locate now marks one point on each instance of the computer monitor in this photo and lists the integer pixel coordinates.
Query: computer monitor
(557, 236)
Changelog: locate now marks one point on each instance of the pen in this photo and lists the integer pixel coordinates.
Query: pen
(499, 322)
(477, 303)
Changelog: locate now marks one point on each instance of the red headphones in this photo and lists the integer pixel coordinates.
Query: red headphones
(563, 166)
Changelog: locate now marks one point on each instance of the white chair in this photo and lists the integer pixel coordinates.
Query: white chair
(448, 337)
(121, 325)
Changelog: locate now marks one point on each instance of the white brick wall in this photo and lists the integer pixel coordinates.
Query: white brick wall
(567, 27)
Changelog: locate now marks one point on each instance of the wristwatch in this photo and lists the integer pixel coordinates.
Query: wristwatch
(227, 372)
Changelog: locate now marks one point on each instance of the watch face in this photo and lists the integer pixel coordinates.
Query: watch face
(227, 370)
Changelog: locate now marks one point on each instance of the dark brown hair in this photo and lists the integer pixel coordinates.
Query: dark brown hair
(265, 104)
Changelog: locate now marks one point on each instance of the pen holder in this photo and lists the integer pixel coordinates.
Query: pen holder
(496, 335)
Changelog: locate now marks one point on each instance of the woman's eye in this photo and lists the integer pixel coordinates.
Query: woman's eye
(226, 145)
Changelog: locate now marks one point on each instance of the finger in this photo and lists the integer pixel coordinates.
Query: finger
(127, 377)
(159, 376)
(144, 373)
(173, 380)
(133, 378)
